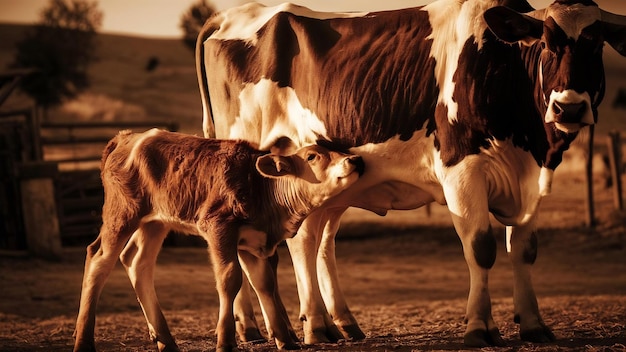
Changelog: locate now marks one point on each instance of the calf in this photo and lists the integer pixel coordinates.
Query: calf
(242, 201)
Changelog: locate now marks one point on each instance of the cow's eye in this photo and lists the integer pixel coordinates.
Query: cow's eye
(311, 157)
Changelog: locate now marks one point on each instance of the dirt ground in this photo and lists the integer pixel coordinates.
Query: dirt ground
(404, 277)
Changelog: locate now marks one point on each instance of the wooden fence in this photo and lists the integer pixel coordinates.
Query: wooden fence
(77, 150)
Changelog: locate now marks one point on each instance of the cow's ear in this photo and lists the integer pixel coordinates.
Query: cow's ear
(272, 165)
(615, 35)
(614, 30)
(283, 146)
(511, 26)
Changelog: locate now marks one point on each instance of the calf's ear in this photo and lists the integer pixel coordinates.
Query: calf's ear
(272, 165)
(511, 26)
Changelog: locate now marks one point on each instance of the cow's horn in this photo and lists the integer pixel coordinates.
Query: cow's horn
(537, 14)
(613, 18)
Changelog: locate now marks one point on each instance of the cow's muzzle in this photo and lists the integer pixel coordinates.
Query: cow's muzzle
(569, 112)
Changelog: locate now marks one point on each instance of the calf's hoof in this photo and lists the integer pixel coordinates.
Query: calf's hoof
(291, 346)
(252, 335)
(352, 332)
(226, 349)
(322, 335)
(540, 334)
(483, 338)
(167, 347)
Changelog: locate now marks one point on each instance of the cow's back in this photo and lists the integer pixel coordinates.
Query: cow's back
(358, 78)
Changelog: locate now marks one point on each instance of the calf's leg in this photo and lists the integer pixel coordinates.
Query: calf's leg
(522, 249)
(245, 320)
(139, 258)
(262, 277)
(228, 278)
(101, 257)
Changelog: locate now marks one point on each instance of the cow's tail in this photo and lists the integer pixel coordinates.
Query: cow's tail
(208, 125)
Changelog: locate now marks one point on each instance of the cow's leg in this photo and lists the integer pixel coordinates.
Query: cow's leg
(139, 258)
(470, 214)
(228, 278)
(273, 260)
(262, 277)
(329, 281)
(317, 324)
(101, 257)
(522, 250)
(245, 320)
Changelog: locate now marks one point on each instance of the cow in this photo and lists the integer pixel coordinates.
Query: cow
(467, 103)
(242, 201)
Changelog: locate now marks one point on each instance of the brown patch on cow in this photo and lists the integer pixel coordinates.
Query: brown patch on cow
(530, 249)
(484, 246)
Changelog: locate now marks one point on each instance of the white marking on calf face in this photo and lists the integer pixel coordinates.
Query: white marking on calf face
(280, 112)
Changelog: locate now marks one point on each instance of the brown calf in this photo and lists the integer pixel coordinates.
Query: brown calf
(241, 200)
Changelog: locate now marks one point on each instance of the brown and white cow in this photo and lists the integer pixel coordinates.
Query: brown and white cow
(239, 199)
(469, 103)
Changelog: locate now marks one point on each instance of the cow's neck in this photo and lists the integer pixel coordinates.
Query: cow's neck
(283, 218)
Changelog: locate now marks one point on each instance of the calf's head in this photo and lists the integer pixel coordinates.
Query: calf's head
(313, 173)
(566, 40)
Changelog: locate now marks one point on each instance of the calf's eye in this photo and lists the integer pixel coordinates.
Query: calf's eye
(311, 157)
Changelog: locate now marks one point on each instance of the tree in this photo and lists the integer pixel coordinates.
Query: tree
(192, 21)
(60, 47)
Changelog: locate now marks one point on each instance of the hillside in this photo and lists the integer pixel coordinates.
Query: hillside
(122, 88)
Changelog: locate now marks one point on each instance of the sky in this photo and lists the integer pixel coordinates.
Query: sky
(160, 18)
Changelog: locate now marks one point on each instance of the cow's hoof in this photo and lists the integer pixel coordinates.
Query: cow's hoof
(322, 335)
(482, 338)
(252, 335)
(227, 349)
(290, 346)
(167, 347)
(85, 347)
(540, 334)
(352, 332)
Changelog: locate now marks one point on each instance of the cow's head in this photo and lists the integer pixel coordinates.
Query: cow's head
(313, 173)
(567, 38)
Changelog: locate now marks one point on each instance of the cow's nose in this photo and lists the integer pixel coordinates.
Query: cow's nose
(569, 112)
(358, 163)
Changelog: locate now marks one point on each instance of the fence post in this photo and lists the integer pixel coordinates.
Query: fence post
(41, 222)
(590, 220)
(615, 163)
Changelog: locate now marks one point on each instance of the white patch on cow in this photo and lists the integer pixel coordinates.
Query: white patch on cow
(569, 96)
(545, 181)
(453, 23)
(139, 145)
(244, 22)
(280, 112)
(254, 242)
(574, 18)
